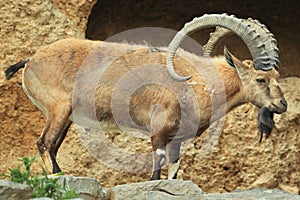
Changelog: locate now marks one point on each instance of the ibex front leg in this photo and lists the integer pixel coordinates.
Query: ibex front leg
(159, 154)
(159, 138)
(173, 153)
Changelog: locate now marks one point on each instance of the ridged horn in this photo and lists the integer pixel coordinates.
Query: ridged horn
(264, 58)
(270, 57)
(269, 40)
(214, 39)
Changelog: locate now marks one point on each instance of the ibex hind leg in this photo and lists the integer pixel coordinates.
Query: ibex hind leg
(62, 136)
(57, 124)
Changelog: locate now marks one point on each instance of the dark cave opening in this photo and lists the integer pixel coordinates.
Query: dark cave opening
(111, 17)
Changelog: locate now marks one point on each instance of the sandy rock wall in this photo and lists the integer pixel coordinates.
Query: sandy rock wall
(78, 11)
(27, 25)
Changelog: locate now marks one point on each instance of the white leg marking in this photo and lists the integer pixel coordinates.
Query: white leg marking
(160, 152)
(173, 169)
(162, 161)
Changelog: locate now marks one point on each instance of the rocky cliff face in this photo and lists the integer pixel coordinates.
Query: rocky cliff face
(238, 161)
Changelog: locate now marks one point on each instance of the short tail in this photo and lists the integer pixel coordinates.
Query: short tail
(9, 73)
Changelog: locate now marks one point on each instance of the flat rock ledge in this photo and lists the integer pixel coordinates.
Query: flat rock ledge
(90, 189)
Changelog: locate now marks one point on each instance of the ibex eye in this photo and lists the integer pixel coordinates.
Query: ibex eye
(261, 80)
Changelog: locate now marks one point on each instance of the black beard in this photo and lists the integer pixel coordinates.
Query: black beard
(265, 122)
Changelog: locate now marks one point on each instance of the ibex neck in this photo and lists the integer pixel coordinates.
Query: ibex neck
(233, 88)
(226, 94)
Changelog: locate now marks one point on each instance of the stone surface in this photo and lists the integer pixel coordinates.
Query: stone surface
(253, 194)
(88, 188)
(158, 190)
(14, 191)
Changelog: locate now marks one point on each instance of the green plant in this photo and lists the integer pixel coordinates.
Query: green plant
(43, 186)
(19, 176)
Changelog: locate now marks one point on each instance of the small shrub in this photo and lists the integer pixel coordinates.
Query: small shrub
(19, 176)
(42, 186)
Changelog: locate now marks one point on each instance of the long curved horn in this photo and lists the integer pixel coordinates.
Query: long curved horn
(221, 33)
(264, 57)
(214, 39)
(271, 58)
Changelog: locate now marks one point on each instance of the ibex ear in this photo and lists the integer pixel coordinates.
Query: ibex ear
(235, 63)
(228, 57)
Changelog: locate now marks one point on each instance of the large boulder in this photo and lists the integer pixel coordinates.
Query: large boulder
(90, 189)
(159, 190)
(87, 188)
(14, 191)
(253, 194)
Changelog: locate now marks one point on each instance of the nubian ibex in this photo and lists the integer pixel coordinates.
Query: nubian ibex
(58, 80)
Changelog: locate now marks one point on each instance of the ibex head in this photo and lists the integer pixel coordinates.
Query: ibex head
(259, 77)
(259, 87)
